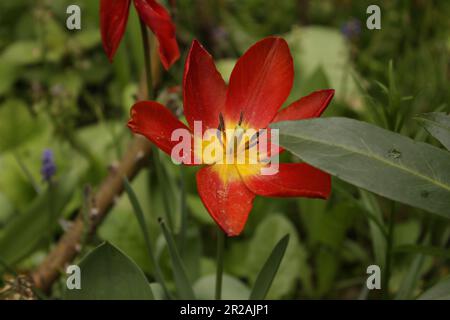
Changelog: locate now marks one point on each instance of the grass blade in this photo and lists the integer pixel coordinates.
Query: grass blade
(161, 177)
(184, 287)
(440, 291)
(425, 250)
(141, 219)
(438, 125)
(269, 270)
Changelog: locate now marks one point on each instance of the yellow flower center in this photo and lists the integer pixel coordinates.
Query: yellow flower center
(232, 149)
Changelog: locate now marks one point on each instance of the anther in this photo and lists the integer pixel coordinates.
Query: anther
(219, 135)
(221, 122)
(221, 128)
(241, 118)
(254, 140)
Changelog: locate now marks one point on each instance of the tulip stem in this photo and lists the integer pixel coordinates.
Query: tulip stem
(147, 60)
(150, 96)
(219, 273)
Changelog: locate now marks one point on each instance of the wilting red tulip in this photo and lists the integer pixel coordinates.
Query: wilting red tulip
(259, 84)
(113, 20)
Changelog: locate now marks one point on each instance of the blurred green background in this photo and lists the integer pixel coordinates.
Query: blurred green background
(58, 91)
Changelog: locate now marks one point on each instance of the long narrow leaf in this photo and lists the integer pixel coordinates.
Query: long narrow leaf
(411, 278)
(269, 270)
(184, 287)
(425, 250)
(143, 225)
(374, 159)
(440, 291)
(24, 234)
(438, 125)
(378, 230)
(161, 176)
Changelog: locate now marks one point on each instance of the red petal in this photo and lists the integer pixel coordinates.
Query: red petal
(260, 83)
(292, 180)
(204, 90)
(113, 20)
(159, 21)
(156, 123)
(311, 106)
(225, 196)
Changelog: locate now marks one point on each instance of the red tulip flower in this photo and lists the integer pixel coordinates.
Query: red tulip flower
(114, 17)
(259, 84)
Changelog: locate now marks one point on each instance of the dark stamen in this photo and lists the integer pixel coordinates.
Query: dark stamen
(219, 135)
(241, 117)
(221, 128)
(253, 141)
(221, 122)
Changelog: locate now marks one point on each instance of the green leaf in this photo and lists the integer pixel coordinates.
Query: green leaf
(293, 268)
(6, 209)
(233, 259)
(198, 210)
(8, 75)
(24, 233)
(108, 274)
(440, 291)
(55, 39)
(22, 53)
(316, 81)
(184, 288)
(326, 267)
(164, 182)
(191, 250)
(326, 229)
(406, 233)
(158, 291)
(326, 226)
(425, 250)
(122, 229)
(372, 158)
(406, 236)
(306, 44)
(376, 226)
(14, 115)
(232, 288)
(269, 270)
(141, 219)
(411, 278)
(86, 40)
(438, 125)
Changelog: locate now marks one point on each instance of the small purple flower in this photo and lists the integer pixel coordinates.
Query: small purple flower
(351, 29)
(48, 168)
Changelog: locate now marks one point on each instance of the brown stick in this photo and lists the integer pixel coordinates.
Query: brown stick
(69, 244)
